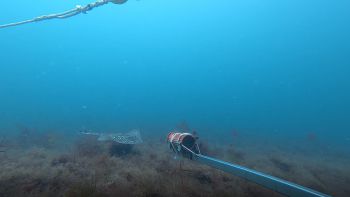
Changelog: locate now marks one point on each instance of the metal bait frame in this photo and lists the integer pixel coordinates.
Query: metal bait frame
(276, 184)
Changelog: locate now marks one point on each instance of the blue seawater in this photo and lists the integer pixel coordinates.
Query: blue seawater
(273, 73)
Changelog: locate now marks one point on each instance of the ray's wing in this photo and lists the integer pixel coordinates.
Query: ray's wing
(132, 137)
(89, 133)
(104, 137)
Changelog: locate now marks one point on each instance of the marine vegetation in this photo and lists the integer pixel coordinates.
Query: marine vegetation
(89, 167)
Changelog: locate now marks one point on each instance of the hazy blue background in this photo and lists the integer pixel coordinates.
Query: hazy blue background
(268, 69)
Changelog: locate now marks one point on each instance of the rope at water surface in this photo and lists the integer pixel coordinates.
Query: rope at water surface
(73, 12)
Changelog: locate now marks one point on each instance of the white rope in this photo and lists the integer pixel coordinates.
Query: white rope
(77, 10)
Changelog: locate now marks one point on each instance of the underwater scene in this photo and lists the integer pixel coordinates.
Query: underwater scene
(154, 98)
